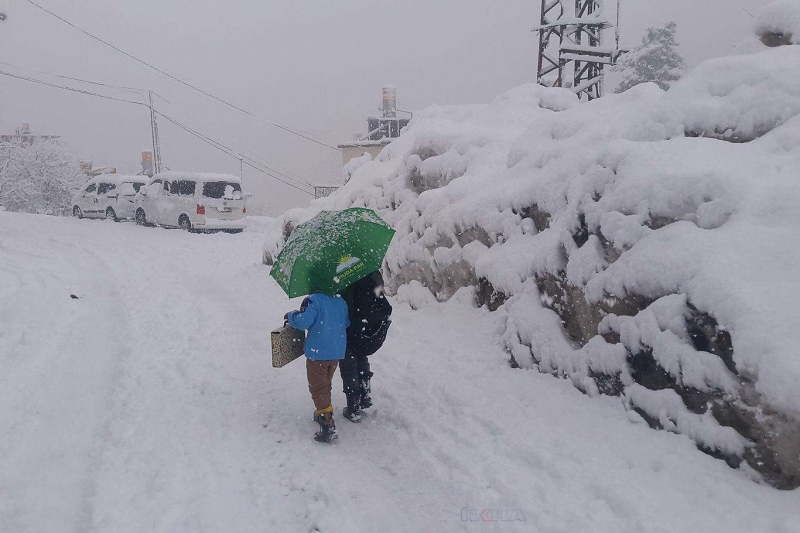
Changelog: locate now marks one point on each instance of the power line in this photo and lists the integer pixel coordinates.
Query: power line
(90, 82)
(120, 87)
(275, 168)
(174, 78)
(286, 173)
(230, 152)
(262, 167)
(73, 89)
(252, 163)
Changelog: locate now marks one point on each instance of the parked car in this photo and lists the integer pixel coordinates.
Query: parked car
(192, 201)
(108, 196)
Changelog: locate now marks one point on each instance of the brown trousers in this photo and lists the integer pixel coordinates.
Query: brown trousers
(320, 377)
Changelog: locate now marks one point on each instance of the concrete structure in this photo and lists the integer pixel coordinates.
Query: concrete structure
(87, 168)
(24, 136)
(148, 165)
(380, 130)
(356, 149)
(323, 191)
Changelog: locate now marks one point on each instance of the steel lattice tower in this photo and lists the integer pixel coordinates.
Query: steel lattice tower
(571, 52)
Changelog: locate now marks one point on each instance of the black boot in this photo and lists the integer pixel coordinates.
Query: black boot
(353, 410)
(327, 427)
(366, 391)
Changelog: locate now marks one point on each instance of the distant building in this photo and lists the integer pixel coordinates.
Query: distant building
(148, 164)
(24, 136)
(356, 149)
(86, 168)
(381, 130)
(323, 191)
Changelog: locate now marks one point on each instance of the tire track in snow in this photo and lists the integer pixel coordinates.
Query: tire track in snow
(60, 366)
(103, 433)
(188, 432)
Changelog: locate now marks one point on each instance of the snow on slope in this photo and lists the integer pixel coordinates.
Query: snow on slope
(149, 404)
(608, 228)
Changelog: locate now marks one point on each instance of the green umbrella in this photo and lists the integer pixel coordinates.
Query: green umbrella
(332, 251)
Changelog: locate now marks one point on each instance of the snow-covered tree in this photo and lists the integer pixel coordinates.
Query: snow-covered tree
(38, 178)
(654, 60)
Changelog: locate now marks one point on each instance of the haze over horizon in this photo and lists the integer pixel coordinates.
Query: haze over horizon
(316, 66)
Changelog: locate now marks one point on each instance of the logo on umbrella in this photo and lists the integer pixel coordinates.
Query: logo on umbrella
(347, 262)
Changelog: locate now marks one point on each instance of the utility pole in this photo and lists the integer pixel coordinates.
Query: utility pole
(571, 51)
(154, 135)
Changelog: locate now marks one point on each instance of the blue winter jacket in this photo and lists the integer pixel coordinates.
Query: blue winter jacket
(326, 319)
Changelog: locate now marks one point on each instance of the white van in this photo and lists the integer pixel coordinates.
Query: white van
(108, 196)
(192, 201)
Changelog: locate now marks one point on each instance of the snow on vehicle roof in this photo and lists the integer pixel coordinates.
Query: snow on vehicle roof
(197, 176)
(117, 179)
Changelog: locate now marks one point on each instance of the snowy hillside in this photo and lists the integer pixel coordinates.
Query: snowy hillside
(149, 404)
(643, 245)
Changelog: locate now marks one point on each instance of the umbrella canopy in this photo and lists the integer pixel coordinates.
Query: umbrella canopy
(332, 251)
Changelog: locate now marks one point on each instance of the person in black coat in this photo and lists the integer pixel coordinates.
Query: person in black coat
(370, 316)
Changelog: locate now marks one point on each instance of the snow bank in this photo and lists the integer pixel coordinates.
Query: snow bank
(737, 98)
(643, 245)
(416, 295)
(354, 164)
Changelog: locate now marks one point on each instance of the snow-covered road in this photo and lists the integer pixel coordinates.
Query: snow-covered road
(149, 404)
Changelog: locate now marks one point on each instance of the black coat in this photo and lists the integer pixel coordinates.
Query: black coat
(370, 314)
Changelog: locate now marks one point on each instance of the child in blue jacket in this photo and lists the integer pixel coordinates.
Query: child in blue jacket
(326, 320)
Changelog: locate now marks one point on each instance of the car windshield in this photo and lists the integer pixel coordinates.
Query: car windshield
(138, 185)
(222, 189)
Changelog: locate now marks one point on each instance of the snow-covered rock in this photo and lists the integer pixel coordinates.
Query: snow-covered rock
(778, 23)
(415, 294)
(354, 164)
(642, 245)
(737, 98)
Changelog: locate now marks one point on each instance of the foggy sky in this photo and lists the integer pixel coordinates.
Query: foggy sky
(314, 65)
